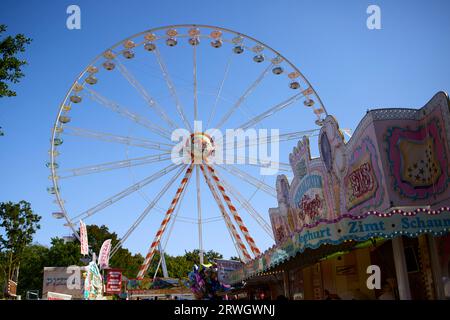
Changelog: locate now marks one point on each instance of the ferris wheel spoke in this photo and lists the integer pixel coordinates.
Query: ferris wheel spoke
(124, 112)
(282, 166)
(219, 91)
(271, 111)
(116, 165)
(241, 249)
(171, 87)
(108, 137)
(247, 206)
(244, 96)
(140, 88)
(260, 165)
(249, 179)
(296, 135)
(126, 192)
(147, 210)
(195, 82)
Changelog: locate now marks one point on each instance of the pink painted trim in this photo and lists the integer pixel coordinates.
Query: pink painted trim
(396, 135)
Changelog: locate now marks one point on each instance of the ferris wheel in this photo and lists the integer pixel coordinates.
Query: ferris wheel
(113, 139)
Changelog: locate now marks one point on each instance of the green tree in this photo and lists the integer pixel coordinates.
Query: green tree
(177, 266)
(34, 259)
(10, 65)
(63, 254)
(18, 224)
(129, 263)
(3, 273)
(97, 235)
(208, 256)
(212, 255)
(180, 266)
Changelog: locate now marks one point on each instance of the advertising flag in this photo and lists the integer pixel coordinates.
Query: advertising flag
(93, 284)
(103, 256)
(84, 239)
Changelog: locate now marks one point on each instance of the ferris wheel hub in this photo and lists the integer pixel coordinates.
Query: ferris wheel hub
(199, 147)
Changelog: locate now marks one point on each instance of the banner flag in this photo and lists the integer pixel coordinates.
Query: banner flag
(103, 256)
(83, 239)
(93, 284)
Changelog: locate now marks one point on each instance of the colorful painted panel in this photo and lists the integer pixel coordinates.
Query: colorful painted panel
(309, 198)
(418, 160)
(300, 169)
(362, 181)
(279, 225)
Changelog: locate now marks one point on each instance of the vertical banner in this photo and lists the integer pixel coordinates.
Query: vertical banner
(83, 239)
(93, 284)
(103, 256)
(114, 281)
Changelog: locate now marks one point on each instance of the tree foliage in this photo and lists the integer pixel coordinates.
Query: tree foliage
(180, 266)
(10, 65)
(18, 224)
(61, 253)
(34, 259)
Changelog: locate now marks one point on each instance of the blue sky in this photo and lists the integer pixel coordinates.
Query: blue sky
(351, 67)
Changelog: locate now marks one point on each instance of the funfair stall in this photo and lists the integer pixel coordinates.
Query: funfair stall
(380, 200)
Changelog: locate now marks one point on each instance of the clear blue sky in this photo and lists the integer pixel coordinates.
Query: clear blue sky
(352, 68)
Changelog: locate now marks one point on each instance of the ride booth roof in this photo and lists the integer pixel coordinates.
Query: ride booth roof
(391, 179)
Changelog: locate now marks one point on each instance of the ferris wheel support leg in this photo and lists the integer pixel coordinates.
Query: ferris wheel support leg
(199, 215)
(239, 244)
(234, 212)
(249, 208)
(151, 252)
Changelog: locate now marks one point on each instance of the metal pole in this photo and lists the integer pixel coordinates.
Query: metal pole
(400, 269)
(286, 283)
(436, 267)
(163, 261)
